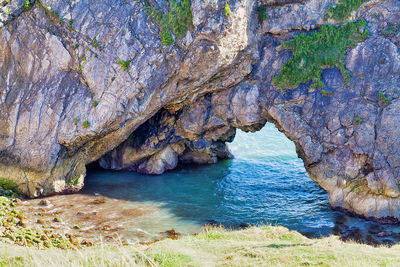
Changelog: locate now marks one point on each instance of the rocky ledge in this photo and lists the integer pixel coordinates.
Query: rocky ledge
(142, 85)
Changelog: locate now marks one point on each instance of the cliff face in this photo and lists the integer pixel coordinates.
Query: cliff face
(112, 81)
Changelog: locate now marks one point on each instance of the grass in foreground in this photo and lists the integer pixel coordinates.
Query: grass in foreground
(255, 246)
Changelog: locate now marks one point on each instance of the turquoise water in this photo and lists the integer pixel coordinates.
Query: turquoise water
(265, 183)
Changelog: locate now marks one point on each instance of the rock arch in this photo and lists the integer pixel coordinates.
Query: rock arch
(183, 102)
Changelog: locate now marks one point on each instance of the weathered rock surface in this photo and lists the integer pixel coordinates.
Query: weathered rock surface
(65, 101)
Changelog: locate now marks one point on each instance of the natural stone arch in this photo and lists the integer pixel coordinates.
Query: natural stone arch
(348, 141)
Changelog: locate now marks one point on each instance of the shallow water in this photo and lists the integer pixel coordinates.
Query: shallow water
(265, 184)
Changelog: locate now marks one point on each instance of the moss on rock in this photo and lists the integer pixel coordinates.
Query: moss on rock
(312, 53)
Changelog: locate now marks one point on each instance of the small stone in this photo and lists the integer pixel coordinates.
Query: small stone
(87, 243)
(44, 202)
(22, 223)
(41, 221)
(55, 236)
(99, 200)
(171, 234)
(74, 240)
(21, 216)
(384, 233)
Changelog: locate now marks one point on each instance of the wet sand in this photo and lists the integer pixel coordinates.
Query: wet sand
(103, 220)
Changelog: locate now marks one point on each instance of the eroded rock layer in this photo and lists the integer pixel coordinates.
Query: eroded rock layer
(85, 81)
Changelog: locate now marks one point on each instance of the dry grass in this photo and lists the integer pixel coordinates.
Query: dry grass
(256, 246)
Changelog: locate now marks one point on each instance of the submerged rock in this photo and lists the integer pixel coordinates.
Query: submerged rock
(96, 81)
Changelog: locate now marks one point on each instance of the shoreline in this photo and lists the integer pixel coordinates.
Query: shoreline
(48, 222)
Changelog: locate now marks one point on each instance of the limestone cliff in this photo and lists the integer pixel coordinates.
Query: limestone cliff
(142, 85)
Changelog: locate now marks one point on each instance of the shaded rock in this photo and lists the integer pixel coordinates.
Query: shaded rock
(384, 234)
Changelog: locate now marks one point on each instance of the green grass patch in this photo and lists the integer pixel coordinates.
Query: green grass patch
(95, 43)
(227, 10)
(86, 124)
(73, 181)
(50, 13)
(95, 103)
(26, 6)
(262, 13)
(326, 93)
(212, 235)
(166, 259)
(166, 37)
(70, 27)
(7, 184)
(384, 98)
(312, 53)
(177, 19)
(255, 246)
(124, 64)
(391, 31)
(358, 121)
(343, 9)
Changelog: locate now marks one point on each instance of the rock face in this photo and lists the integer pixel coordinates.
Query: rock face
(92, 81)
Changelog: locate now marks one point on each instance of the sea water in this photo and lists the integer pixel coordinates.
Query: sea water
(265, 183)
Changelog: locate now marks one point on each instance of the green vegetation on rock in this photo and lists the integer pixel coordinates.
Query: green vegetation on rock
(343, 9)
(312, 53)
(7, 184)
(326, 92)
(262, 13)
(95, 42)
(26, 6)
(70, 27)
(177, 19)
(358, 120)
(13, 224)
(86, 124)
(391, 31)
(50, 13)
(73, 181)
(166, 37)
(227, 10)
(384, 98)
(124, 64)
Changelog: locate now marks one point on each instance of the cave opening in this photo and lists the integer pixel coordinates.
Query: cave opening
(265, 183)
